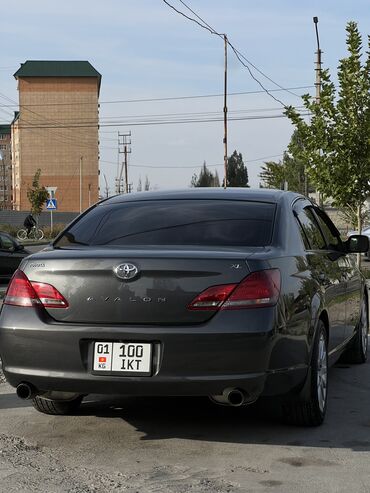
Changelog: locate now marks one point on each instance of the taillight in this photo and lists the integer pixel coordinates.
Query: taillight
(23, 292)
(258, 289)
(212, 298)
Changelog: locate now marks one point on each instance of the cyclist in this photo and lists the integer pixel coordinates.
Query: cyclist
(29, 223)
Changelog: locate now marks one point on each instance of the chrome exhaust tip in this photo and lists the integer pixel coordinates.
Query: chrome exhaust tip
(231, 397)
(236, 397)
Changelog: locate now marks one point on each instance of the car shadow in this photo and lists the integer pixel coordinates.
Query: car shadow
(347, 422)
(11, 401)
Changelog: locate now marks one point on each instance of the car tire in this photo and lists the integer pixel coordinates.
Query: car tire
(309, 407)
(356, 353)
(50, 406)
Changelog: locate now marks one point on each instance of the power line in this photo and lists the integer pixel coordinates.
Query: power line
(106, 119)
(163, 122)
(190, 167)
(169, 98)
(238, 55)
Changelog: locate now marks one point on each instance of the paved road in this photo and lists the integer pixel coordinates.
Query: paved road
(183, 445)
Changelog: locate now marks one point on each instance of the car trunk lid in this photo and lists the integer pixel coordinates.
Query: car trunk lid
(166, 282)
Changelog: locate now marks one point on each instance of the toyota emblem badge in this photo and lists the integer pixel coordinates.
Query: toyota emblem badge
(126, 271)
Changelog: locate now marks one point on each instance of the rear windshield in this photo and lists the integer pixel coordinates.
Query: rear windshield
(174, 222)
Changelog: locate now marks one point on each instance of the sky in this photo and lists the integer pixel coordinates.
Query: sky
(145, 50)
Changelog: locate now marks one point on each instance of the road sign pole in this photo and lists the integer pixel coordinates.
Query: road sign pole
(52, 201)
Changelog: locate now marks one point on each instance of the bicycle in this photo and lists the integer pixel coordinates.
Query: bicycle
(35, 234)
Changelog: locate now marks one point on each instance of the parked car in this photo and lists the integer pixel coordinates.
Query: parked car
(233, 294)
(11, 254)
(365, 232)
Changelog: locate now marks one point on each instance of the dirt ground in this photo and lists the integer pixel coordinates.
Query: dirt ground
(181, 445)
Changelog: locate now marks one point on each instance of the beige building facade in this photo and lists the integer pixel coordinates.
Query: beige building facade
(56, 131)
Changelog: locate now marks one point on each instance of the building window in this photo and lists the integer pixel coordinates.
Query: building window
(3, 147)
(3, 136)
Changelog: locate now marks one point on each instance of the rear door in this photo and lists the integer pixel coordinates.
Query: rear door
(349, 271)
(327, 270)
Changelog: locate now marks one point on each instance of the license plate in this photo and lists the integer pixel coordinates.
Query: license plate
(123, 357)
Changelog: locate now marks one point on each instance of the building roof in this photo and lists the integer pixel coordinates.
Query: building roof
(57, 68)
(5, 129)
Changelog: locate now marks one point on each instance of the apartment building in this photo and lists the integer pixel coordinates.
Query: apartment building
(5, 168)
(56, 130)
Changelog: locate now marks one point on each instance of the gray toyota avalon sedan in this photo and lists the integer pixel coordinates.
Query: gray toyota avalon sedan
(234, 294)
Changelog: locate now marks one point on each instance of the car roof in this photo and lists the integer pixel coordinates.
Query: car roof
(256, 195)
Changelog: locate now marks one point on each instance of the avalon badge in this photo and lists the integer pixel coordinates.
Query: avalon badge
(126, 271)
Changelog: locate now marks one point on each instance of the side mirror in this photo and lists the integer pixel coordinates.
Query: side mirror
(357, 244)
(18, 247)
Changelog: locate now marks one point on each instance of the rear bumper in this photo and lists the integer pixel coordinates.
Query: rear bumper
(254, 385)
(192, 360)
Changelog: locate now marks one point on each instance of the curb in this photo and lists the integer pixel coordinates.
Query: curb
(35, 242)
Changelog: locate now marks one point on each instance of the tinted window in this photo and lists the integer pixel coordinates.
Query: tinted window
(329, 230)
(175, 222)
(310, 229)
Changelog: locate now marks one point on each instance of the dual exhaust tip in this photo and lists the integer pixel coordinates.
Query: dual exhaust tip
(230, 396)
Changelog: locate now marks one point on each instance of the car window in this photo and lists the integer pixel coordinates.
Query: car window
(175, 222)
(311, 234)
(6, 243)
(330, 232)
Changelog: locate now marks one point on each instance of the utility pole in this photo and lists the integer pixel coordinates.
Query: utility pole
(225, 114)
(81, 158)
(106, 186)
(318, 62)
(124, 142)
(318, 78)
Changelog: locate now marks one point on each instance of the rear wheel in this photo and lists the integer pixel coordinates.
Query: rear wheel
(310, 410)
(50, 406)
(39, 234)
(357, 349)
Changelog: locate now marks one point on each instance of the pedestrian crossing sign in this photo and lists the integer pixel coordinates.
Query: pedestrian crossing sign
(51, 204)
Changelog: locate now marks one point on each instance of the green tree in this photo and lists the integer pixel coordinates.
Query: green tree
(37, 195)
(206, 178)
(273, 175)
(336, 143)
(237, 173)
(289, 172)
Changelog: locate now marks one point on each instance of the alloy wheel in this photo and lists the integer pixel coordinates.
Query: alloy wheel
(322, 372)
(364, 327)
